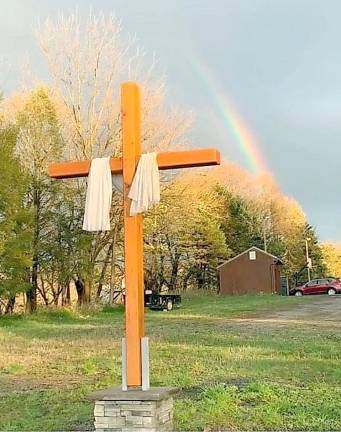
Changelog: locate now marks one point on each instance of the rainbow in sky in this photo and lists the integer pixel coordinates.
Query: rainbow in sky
(232, 120)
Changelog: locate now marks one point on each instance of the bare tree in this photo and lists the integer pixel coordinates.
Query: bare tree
(87, 62)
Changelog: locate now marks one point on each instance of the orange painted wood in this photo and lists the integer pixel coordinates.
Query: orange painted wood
(188, 159)
(74, 169)
(133, 236)
(166, 160)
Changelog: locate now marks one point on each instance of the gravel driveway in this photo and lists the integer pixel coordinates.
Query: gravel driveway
(312, 308)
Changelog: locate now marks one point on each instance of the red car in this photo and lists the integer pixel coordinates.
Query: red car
(330, 286)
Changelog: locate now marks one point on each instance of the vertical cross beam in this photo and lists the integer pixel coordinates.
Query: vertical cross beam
(133, 237)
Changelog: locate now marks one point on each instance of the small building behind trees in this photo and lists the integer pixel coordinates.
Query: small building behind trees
(251, 272)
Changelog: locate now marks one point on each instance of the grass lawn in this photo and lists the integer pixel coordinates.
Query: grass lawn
(235, 370)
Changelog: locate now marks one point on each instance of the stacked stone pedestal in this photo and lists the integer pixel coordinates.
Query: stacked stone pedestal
(133, 410)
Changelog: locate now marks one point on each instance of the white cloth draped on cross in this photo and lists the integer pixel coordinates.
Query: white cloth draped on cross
(98, 196)
(144, 191)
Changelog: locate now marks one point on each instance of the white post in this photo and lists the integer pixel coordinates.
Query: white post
(307, 257)
(124, 365)
(145, 363)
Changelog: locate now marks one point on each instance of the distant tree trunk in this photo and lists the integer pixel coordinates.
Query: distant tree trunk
(83, 289)
(87, 292)
(104, 269)
(31, 294)
(42, 291)
(56, 295)
(186, 280)
(31, 300)
(10, 306)
(112, 276)
(80, 291)
(200, 272)
(175, 258)
(175, 270)
(161, 273)
(66, 296)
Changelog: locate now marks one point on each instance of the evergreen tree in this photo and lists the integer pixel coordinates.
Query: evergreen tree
(38, 144)
(15, 224)
(241, 225)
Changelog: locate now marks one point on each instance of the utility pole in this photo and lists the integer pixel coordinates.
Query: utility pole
(265, 242)
(307, 257)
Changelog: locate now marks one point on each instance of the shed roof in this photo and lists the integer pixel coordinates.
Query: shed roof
(248, 250)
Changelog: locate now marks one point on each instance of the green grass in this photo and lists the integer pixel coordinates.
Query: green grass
(234, 369)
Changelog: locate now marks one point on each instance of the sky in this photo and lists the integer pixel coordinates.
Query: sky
(262, 77)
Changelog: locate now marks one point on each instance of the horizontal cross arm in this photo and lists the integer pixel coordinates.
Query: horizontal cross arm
(63, 170)
(166, 160)
(188, 159)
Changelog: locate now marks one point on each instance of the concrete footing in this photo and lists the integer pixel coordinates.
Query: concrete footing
(134, 410)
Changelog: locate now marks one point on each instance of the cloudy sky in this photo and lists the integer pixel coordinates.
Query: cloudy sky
(263, 78)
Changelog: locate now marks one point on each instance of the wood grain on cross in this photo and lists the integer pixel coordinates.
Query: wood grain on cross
(133, 236)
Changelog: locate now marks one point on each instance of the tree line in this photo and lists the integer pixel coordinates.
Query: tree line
(205, 216)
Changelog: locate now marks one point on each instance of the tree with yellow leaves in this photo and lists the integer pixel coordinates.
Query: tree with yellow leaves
(332, 258)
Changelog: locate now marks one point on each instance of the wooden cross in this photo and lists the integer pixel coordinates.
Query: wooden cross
(133, 236)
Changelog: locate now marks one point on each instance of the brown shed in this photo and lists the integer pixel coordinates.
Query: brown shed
(253, 271)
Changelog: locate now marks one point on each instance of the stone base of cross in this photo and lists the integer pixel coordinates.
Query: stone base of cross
(133, 236)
